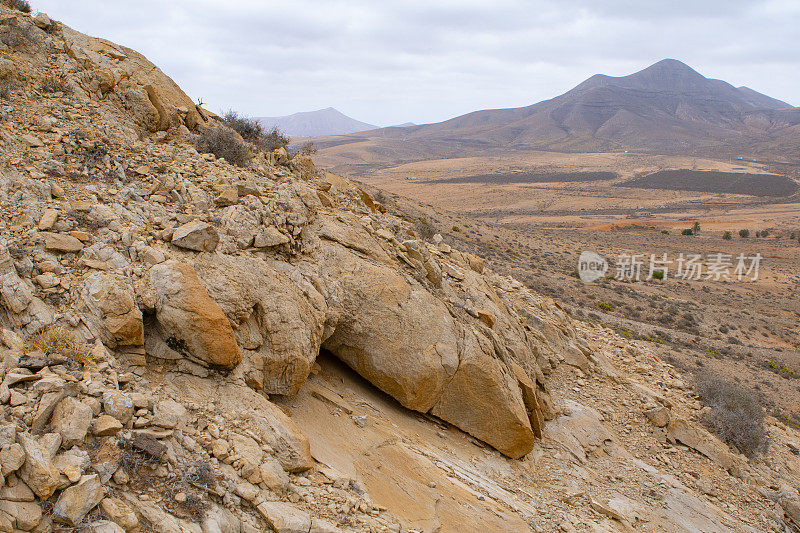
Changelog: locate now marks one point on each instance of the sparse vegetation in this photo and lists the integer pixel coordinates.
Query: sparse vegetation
(736, 416)
(249, 128)
(55, 83)
(456, 229)
(658, 274)
(20, 5)
(57, 341)
(744, 233)
(223, 142)
(687, 231)
(664, 232)
(308, 148)
(273, 140)
(7, 85)
(783, 370)
(186, 487)
(424, 229)
(727, 236)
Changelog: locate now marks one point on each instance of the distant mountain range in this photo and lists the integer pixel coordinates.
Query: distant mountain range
(327, 121)
(666, 108)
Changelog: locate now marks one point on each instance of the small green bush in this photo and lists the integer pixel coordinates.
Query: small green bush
(727, 236)
(605, 306)
(687, 231)
(664, 232)
(658, 274)
(736, 416)
(744, 233)
(456, 229)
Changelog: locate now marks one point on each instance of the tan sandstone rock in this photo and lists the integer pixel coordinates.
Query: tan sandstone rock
(190, 317)
(112, 310)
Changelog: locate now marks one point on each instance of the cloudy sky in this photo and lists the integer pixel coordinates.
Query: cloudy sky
(391, 61)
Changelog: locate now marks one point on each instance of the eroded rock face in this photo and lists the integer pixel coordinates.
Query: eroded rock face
(392, 332)
(484, 400)
(278, 318)
(191, 321)
(112, 309)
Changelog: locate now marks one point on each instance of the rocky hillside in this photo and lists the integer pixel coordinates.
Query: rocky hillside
(184, 342)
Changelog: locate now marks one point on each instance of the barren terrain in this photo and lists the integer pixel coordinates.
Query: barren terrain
(537, 229)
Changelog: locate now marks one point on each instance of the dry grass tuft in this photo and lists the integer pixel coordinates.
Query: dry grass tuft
(55, 340)
(55, 83)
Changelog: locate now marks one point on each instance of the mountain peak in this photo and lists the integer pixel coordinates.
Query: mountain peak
(666, 74)
(327, 121)
(673, 65)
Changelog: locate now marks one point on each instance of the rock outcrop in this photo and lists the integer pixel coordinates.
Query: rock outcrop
(191, 323)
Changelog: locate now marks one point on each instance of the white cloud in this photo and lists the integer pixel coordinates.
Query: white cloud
(394, 61)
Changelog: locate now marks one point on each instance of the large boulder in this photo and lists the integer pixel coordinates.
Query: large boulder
(266, 422)
(71, 419)
(278, 318)
(484, 400)
(76, 501)
(396, 332)
(388, 329)
(38, 471)
(111, 308)
(153, 99)
(191, 322)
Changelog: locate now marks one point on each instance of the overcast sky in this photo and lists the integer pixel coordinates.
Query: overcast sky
(391, 61)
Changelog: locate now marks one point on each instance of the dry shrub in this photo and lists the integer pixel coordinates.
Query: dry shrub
(55, 340)
(249, 128)
(55, 83)
(424, 229)
(7, 85)
(273, 140)
(192, 479)
(21, 5)
(223, 142)
(736, 416)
